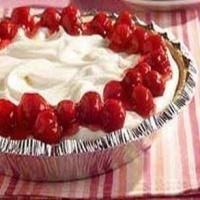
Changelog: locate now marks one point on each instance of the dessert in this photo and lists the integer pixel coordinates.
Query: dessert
(65, 75)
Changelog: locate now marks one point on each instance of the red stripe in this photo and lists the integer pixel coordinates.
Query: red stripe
(107, 190)
(192, 106)
(181, 132)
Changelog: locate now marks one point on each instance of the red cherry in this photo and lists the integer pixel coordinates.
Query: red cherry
(142, 100)
(152, 43)
(143, 68)
(165, 69)
(153, 80)
(125, 18)
(101, 24)
(71, 20)
(126, 102)
(159, 61)
(4, 43)
(21, 15)
(113, 115)
(87, 28)
(120, 36)
(66, 112)
(141, 34)
(30, 106)
(155, 57)
(88, 109)
(8, 117)
(133, 44)
(32, 28)
(131, 79)
(113, 90)
(20, 134)
(46, 127)
(50, 19)
(115, 47)
(71, 129)
(8, 30)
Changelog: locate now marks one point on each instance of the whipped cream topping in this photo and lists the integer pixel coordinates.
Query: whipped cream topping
(65, 67)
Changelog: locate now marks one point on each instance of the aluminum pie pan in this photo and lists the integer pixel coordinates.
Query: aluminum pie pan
(75, 159)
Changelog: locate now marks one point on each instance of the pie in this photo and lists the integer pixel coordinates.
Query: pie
(68, 75)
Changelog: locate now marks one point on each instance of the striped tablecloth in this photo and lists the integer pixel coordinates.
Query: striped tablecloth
(170, 167)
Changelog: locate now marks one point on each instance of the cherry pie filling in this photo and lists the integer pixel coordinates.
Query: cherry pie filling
(135, 92)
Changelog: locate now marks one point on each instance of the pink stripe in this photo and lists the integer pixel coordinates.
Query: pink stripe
(122, 181)
(148, 17)
(147, 172)
(107, 190)
(192, 106)
(183, 153)
(11, 186)
(181, 132)
(2, 179)
(25, 188)
(94, 184)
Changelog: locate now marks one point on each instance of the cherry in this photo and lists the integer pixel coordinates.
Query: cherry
(113, 90)
(32, 28)
(155, 57)
(4, 43)
(30, 106)
(152, 43)
(142, 100)
(47, 128)
(8, 117)
(71, 129)
(50, 19)
(120, 37)
(141, 34)
(132, 78)
(101, 24)
(159, 61)
(8, 30)
(87, 28)
(133, 46)
(116, 47)
(125, 17)
(143, 68)
(165, 69)
(88, 109)
(71, 20)
(66, 112)
(20, 134)
(21, 15)
(153, 80)
(113, 115)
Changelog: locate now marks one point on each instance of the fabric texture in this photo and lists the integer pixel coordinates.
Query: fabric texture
(171, 167)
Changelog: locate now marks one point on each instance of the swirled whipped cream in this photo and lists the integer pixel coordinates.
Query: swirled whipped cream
(65, 67)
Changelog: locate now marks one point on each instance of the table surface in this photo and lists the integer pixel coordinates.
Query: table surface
(170, 167)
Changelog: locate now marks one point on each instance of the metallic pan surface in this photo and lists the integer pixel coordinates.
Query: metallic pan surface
(33, 160)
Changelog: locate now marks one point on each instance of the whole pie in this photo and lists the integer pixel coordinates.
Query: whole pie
(68, 75)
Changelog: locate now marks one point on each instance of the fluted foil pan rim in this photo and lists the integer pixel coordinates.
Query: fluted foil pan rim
(32, 147)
